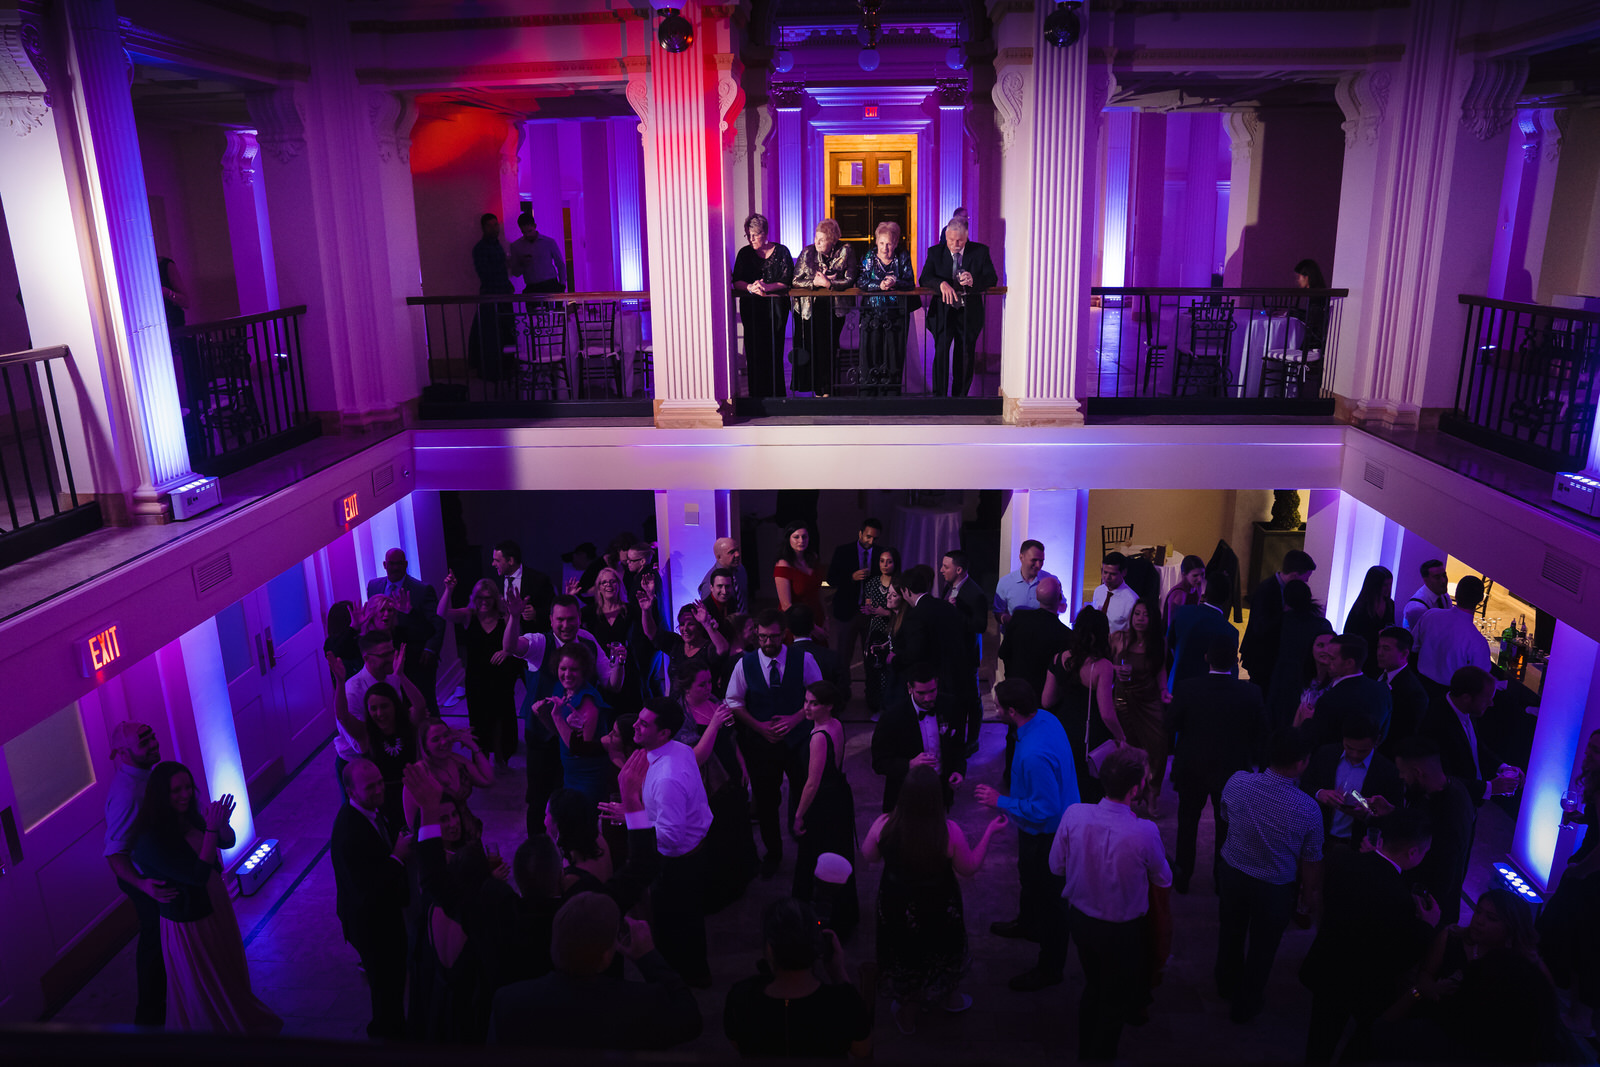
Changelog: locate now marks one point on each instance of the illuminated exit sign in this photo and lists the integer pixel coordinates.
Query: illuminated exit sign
(99, 651)
(869, 111)
(346, 510)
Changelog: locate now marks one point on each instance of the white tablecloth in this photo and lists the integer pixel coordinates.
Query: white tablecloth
(1171, 571)
(1255, 334)
(925, 534)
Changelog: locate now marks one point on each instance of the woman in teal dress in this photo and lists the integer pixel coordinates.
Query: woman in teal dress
(580, 717)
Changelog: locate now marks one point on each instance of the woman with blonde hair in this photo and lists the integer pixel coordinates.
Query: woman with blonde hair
(491, 676)
(826, 264)
(884, 318)
(456, 772)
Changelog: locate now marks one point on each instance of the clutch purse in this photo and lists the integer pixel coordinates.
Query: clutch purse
(1099, 754)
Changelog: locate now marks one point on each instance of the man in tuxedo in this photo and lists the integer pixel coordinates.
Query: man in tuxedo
(1350, 693)
(1353, 764)
(960, 270)
(1451, 813)
(1373, 932)
(1195, 628)
(369, 874)
(1452, 721)
(972, 605)
(1408, 698)
(534, 587)
(419, 603)
(852, 565)
(925, 725)
(933, 633)
(1259, 649)
(1220, 723)
(1036, 638)
(580, 1005)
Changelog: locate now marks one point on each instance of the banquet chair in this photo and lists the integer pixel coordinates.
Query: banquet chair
(1202, 370)
(599, 358)
(226, 405)
(542, 350)
(1112, 536)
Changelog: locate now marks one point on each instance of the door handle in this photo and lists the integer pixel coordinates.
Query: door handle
(272, 654)
(261, 654)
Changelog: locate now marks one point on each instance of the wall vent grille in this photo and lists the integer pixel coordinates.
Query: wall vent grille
(1376, 474)
(210, 573)
(382, 478)
(1563, 572)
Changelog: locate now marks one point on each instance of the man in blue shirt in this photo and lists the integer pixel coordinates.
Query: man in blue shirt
(1017, 591)
(1043, 785)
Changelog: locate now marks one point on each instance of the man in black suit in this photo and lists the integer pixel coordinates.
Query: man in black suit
(369, 874)
(424, 626)
(1221, 727)
(1351, 693)
(1408, 697)
(1194, 628)
(1452, 721)
(1353, 764)
(972, 605)
(933, 633)
(1036, 638)
(925, 725)
(960, 270)
(1259, 649)
(578, 1005)
(1373, 932)
(852, 565)
(801, 626)
(1451, 813)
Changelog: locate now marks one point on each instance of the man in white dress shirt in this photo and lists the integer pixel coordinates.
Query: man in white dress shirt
(675, 804)
(1112, 595)
(1433, 593)
(1448, 638)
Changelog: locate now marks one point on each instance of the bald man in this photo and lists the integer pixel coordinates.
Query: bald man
(729, 556)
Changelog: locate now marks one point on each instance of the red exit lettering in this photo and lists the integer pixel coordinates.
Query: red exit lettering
(104, 649)
(352, 508)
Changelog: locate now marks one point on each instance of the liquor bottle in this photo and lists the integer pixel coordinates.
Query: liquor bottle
(1508, 646)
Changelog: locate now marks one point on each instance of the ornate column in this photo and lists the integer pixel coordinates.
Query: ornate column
(1244, 189)
(392, 116)
(627, 177)
(249, 232)
(788, 101)
(688, 235)
(1525, 199)
(1429, 212)
(1118, 197)
(133, 284)
(952, 97)
(1049, 184)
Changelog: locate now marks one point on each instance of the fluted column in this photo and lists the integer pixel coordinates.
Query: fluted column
(788, 101)
(688, 235)
(139, 317)
(952, 98)
(626, 177)
(1049, 186)
(1244, 189)
(249, 234)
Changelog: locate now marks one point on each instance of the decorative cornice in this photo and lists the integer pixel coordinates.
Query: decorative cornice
(638, 97)
(636, 64)
(393, 115)
(1524, 37)
(1554, 121)
(412, 77)
(1363, 96)
(280, 120)
(139, 40)
(239, 157)
(1009, 97)
(1242, 127)
(1008, 57)
(497, 22)
(1490, 102)
(1334, 58)
(24, 87)
(952, 92)
(730, 94)
(270, 16)
(786, 96)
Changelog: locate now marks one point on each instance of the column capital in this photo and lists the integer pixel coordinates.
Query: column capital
(1243, 127)
(239, 157)
(1363, 96)
(1489, 103)
(787, 95)
(953, 93)
(392, 115)
(280, 118)
(24, 76)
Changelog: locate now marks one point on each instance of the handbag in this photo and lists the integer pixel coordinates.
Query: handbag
(1100, 754)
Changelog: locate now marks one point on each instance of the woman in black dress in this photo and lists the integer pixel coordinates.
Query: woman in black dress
(1372, 611)
(384, 732)
(825, 818)
(884, 318)
(922, 929)
(697, 645)
(491, 676)
(1079, 691)
(1297, 636)
(762, 272)
(877, 593)
(731, 860)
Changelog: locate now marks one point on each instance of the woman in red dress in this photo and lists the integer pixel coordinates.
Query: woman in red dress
(797, 576)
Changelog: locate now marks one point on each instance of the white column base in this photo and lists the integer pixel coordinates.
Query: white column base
(1385, 414)
(150, 508)
(1042, 411)
(687, 415)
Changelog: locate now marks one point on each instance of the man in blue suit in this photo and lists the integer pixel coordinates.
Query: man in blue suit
(423, 626)
(1192, 630)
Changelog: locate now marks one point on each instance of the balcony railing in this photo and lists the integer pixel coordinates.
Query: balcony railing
(1212, 351)
(243, 389)
(43, 508)
(1528, 382)
(811, 354)
(537, 355)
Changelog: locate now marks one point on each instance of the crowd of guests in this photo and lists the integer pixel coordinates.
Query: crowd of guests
(772, 284)
(1344, 772)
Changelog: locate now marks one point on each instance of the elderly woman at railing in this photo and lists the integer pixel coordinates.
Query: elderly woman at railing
(761, 269)
(884, 318)
(827, 264)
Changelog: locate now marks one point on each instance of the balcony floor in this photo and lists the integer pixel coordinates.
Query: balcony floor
(34, 581)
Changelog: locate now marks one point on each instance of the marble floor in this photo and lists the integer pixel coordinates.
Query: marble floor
(304, 971)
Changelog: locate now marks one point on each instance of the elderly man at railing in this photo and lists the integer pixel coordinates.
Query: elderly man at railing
(960, 270)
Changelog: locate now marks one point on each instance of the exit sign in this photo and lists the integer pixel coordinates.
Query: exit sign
(869, 111)
(346, 510)
(99, 651)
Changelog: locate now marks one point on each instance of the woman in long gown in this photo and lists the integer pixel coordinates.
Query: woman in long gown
(731, 860)
(922, 928)
(1079, 691)
(177, 841)
(886, 565)
(491, 675)
(825, 819)
(1140, 691)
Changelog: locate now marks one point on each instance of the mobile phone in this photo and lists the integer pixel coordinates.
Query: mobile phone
(1355, 799)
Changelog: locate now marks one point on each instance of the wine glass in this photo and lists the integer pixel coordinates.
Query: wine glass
(1572, 801)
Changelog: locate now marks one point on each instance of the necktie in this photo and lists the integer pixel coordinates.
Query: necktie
(383, 828)
(772, 675)
(738, 597)
(957, 261)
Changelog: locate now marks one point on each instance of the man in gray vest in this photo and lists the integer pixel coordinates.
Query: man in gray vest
(766, 693)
